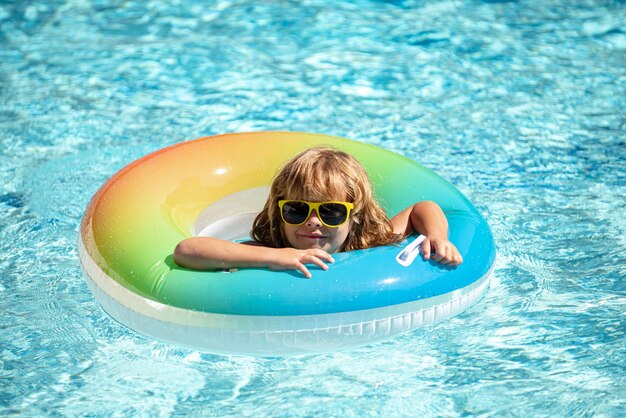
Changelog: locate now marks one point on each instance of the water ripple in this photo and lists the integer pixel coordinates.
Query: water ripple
(519, 104)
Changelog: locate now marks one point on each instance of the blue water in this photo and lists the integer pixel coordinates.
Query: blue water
(520, 104)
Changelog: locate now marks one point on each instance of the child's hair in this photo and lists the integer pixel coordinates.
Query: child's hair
(324, 173)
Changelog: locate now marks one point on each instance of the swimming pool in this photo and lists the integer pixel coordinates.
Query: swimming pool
(518, 104)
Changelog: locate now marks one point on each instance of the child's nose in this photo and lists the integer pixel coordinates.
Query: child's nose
(313, 219)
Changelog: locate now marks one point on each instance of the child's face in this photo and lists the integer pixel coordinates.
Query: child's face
(313, 234)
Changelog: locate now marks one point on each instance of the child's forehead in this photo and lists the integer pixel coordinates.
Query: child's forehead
(317, 194)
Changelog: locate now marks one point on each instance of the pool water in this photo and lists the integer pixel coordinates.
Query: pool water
(520, 104)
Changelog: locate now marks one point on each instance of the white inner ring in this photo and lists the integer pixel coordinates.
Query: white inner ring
(231, 217)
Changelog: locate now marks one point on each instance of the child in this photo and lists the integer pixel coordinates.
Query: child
(320, 202)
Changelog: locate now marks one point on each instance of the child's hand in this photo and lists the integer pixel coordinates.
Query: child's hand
(441, 250)
(292, 258)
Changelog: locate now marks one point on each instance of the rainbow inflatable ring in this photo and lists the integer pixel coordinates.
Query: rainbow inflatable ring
(214, 186)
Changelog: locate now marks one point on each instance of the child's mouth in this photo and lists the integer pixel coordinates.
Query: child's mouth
(312, 236)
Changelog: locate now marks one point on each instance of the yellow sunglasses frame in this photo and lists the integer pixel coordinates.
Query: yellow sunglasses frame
(315, 206)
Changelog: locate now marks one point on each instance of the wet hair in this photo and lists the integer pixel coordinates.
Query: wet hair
(321, 174)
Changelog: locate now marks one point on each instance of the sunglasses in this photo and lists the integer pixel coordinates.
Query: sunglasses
(332, 214)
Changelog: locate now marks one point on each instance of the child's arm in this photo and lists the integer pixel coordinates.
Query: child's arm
(428, 219)
(203, 253)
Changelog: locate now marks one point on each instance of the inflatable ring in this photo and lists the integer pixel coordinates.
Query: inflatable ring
(214, 186)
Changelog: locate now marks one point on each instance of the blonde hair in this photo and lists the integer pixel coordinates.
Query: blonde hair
(324, 173)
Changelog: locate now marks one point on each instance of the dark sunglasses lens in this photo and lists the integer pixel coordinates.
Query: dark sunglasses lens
(295, 212)
(333, 213)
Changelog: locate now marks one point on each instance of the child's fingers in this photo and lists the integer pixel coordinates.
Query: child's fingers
(448, 255)
(316, 257)
(437, 256)
(323, 255)
(451, 257)
(441, 251)
(456, 258)
(318, 261)
(438, 252)
(426, 249)
(442, 254)
(302, 269)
